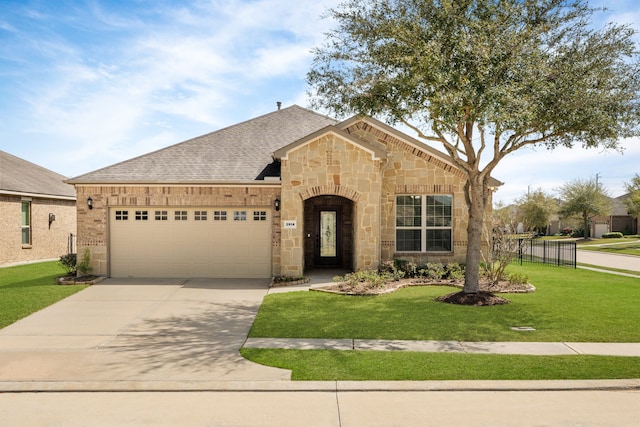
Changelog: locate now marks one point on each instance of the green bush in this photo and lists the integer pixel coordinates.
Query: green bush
(454, 271)
(372, 277)
(84, 266)
(613, 235)
(68, 262)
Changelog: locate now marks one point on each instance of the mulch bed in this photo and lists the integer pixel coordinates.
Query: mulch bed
(486, 295)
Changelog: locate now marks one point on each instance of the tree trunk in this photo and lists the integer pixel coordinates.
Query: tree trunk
(585, 227)
(476, 203)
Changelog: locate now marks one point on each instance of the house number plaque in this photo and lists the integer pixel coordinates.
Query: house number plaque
(290, 223)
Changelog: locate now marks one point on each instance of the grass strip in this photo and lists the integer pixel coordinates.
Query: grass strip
(25, 289)
(330, 365)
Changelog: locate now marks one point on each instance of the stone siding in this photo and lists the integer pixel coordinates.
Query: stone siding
(411, 171)
(329, 166)
(48, 242)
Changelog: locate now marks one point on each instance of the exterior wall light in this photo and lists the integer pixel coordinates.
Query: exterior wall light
(89, 203)
(276, 204)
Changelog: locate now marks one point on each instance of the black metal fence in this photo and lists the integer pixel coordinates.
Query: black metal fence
(555, 252)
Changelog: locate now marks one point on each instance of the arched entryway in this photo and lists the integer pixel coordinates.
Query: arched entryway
(328, 232)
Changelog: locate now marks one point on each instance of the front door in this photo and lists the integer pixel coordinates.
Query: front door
(328, 236)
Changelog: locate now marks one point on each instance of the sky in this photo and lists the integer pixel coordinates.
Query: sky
(86, 84)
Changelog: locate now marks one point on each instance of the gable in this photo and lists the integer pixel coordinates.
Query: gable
(376, 152)
(368, 128)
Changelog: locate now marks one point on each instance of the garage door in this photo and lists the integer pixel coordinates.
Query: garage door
(196, 242)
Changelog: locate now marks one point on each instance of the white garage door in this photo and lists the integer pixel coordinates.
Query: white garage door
(195, 242)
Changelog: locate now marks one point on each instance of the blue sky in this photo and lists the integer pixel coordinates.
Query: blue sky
(85, 84)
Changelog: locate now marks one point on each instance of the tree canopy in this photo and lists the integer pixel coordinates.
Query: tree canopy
(584, 199)
(535, 209)
(633, 200)
(483, 78)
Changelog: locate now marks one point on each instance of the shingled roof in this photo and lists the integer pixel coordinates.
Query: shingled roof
(18, 176)
(238, 153)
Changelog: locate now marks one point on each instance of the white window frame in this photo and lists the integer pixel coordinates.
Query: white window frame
(426, 225)
(25, 227)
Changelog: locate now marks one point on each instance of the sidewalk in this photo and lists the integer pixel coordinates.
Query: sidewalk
(524, 348)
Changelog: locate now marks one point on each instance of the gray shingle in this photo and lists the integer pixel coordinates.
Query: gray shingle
(20, 176)
(241, 152)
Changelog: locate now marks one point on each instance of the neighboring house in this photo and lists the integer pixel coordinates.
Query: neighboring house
(37, 212)
(279, 194)
(619, 220)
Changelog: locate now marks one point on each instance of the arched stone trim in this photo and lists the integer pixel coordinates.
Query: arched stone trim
(328, 190)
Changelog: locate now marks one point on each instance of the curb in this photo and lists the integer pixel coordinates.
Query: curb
(316, 386)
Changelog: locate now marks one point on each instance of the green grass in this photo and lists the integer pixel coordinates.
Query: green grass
(631, 248)
(617, 270)
(324, 365)
(26, 289)
(569, 305)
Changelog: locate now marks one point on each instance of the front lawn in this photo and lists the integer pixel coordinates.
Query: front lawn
(569, 305)
(25, 289)
(325, 365)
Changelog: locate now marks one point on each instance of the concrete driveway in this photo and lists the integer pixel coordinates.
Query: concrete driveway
(137, 332)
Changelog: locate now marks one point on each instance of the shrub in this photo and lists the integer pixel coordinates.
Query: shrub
(518, 278)
(454, 271)
(372, 277)
(567, 231)
(613, 235)
(68, 262)
(84, 266)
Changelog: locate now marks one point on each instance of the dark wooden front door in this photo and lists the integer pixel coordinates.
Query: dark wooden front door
(328, 236)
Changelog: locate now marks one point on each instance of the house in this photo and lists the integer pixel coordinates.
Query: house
(37, 212)
(619, 220)
(279, 194)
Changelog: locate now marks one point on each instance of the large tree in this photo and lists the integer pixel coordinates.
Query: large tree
(584, 199)
(535, 209)
(483, 78)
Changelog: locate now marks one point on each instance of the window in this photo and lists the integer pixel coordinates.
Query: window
(219, 215)
(122, 215)
(200, 215)
(142, 215)
(259, 215)
(161, 215)
(26, 222)
(239, 215)
(180, 215)
(424, 223)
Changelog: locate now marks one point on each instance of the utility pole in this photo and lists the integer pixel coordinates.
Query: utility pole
(597, 176)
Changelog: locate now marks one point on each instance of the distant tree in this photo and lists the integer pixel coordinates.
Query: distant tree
(633, 201)
(535, 209)
(504, 216)
(585, 199)
(482, 78)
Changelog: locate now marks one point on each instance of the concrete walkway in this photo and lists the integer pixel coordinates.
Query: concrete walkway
(524, 348)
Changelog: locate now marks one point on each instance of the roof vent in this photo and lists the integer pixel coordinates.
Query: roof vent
(279, 104)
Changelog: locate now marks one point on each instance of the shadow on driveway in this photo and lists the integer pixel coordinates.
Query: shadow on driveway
(128, 330)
